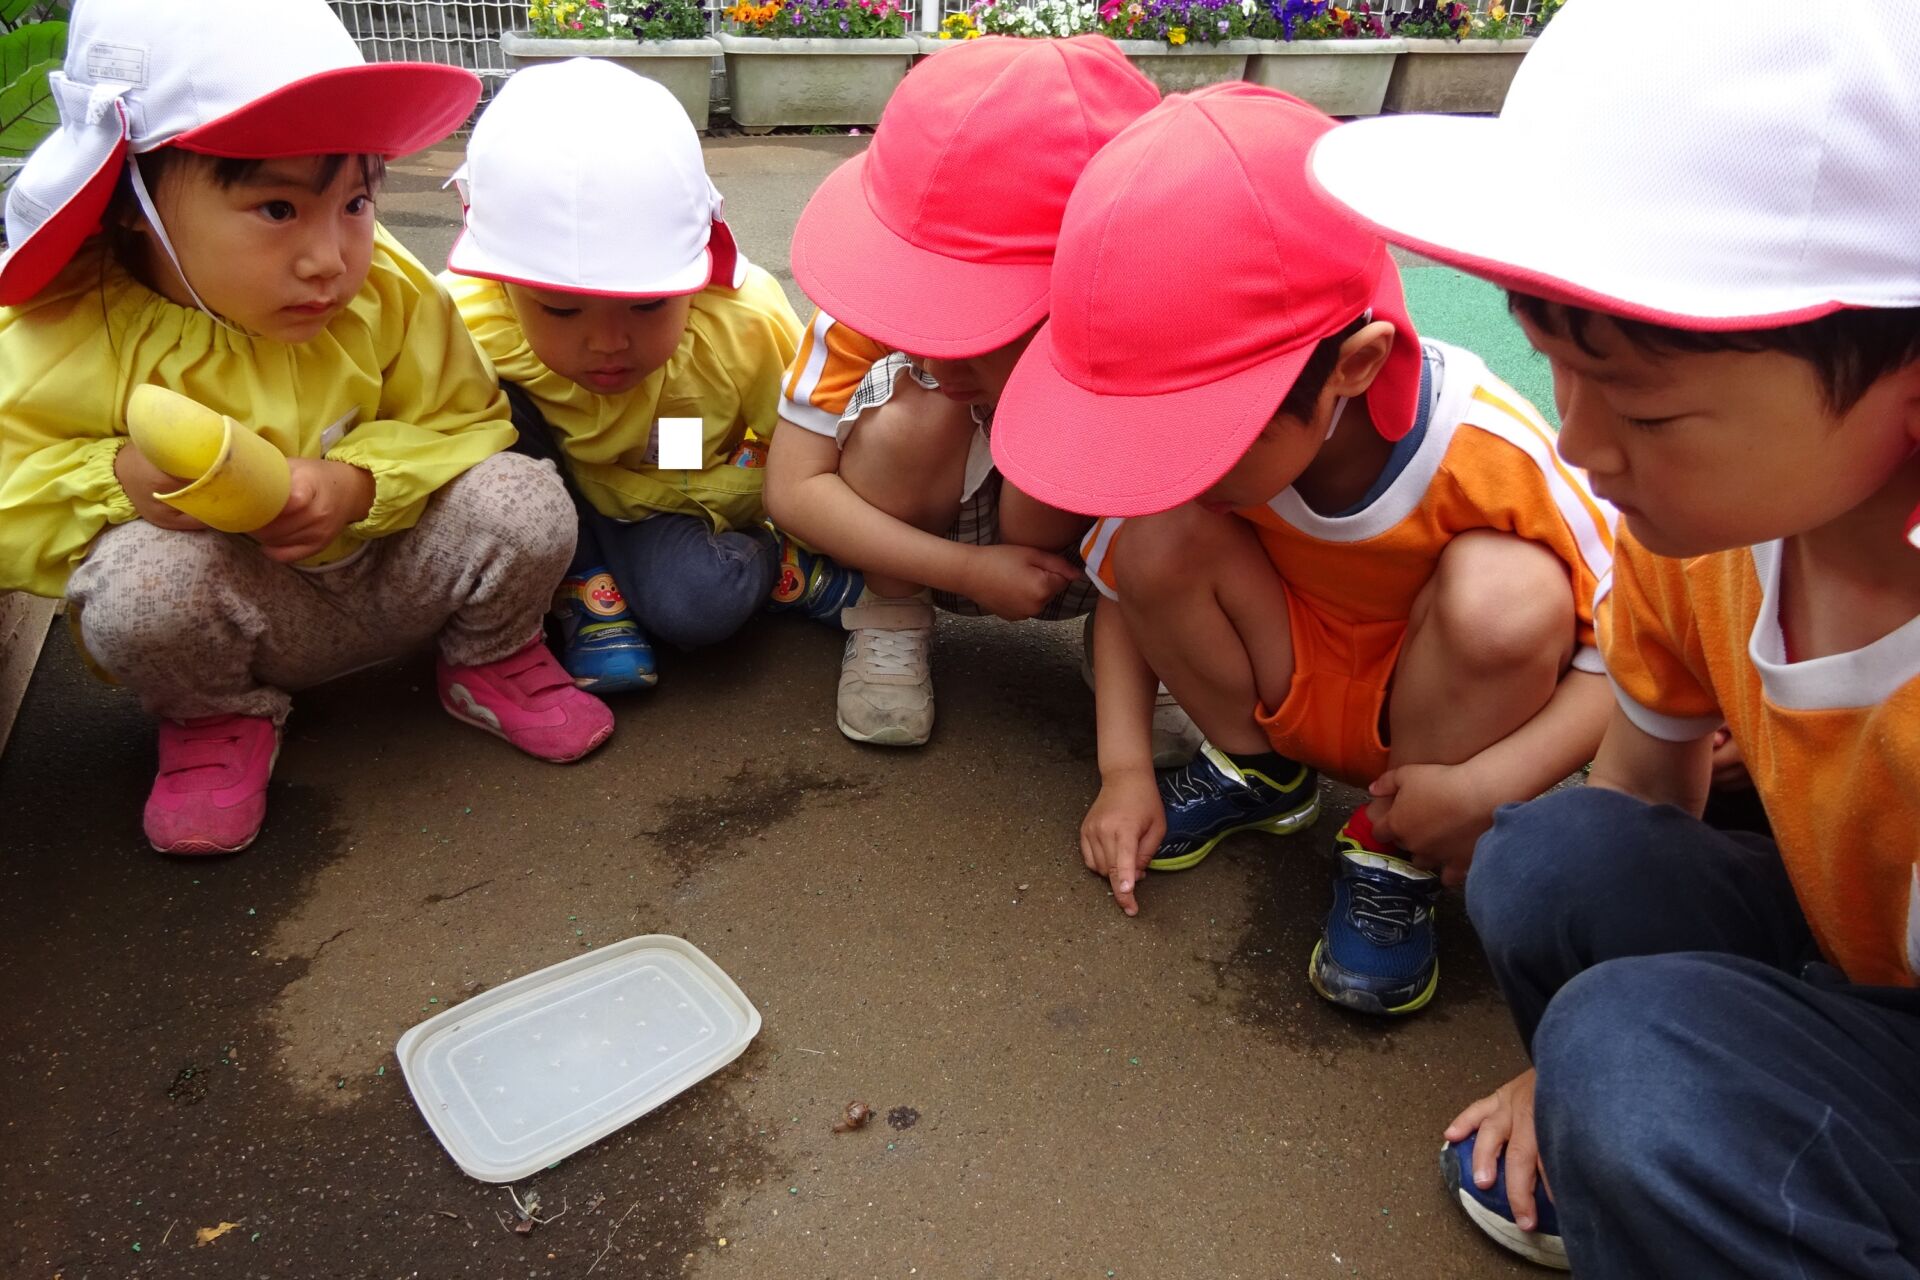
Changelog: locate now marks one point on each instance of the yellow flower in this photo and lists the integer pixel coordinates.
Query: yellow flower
(1176, 35)
(948, 35)
(1498, 13)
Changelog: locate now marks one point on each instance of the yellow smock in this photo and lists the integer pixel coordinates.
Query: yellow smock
(726, 372)
(393, 385)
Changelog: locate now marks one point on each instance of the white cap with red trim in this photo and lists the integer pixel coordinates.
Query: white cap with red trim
(1761, 173)
(584, 177)
(249, 79)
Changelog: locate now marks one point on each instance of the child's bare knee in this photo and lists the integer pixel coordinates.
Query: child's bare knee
(1504, 603)
(915, 430)
(1175, 551)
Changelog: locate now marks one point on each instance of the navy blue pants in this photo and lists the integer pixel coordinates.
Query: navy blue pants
(1712, 1100)
(686, 584)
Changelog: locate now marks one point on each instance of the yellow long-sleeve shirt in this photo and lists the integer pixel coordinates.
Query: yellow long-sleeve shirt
(726, 372)
(393, 385)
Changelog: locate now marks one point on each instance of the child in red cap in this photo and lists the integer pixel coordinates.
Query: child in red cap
(231, 149)
(1725, 1028)
(928, 257)
(1350, 551)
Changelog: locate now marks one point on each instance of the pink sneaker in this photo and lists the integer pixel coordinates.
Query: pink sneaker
(211, 793)
(529, 700)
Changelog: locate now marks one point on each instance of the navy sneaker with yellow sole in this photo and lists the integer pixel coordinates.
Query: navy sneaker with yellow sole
(1376, 952)
(1212, 798)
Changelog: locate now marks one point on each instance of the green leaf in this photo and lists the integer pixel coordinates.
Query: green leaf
(11, 10)
(24, 46)
(27, 111)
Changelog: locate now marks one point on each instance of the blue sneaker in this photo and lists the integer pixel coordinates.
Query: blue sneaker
(1212, 798)
(811, 583)
(1492, 1214)
(601, 646)
(1376, 952)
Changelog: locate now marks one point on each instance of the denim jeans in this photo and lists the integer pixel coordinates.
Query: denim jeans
(1711, 1100)
(686, 584)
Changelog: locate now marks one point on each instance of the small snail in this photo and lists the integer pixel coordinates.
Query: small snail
(857, 1114)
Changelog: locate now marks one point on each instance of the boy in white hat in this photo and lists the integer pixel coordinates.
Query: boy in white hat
(636, 343)
(1724, 1029)
(231, 150)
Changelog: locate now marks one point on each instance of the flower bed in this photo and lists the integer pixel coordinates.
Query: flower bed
(1182, 44)
(815, 62)
(1338, 59)
(1456, 60)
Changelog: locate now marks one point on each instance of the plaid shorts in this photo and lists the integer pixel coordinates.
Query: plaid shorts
(978, 523)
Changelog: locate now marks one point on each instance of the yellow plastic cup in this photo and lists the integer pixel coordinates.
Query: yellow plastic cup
(238, 480)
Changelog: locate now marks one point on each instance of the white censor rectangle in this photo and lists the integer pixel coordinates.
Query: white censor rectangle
(679, 440)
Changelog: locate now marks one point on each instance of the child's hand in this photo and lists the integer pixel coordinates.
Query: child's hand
(141, 480)
(1435, 812)
(325, 498)
(1015, 582)
(1121, 832)
(1505, 1120)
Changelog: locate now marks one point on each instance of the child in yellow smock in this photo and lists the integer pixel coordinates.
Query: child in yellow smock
(231, 150)
(640, 350)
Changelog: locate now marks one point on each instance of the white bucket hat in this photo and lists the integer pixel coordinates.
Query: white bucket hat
(587, 178)
(247, 79)
(1762, 174)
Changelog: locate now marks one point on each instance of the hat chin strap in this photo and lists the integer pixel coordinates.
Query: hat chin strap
(145, 198)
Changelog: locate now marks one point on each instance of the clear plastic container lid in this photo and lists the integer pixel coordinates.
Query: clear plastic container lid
(537, 1068)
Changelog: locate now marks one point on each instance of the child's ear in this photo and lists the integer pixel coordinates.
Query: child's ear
(1362, 356)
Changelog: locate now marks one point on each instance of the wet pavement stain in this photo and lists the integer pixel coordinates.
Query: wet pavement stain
(903, 1118)
(148, 1093)
(696, 829)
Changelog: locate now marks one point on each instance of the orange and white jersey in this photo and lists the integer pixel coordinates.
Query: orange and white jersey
(1832, 743)
(1485, 461)
(830, 363)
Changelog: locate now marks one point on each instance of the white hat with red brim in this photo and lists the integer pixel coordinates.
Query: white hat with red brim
(246, 79)
(1763, 173)
(583, 177)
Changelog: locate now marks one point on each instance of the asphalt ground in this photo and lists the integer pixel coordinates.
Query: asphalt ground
(1063, 1092)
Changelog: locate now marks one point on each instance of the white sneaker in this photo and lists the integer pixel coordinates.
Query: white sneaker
(1176, 738)
(886, 673)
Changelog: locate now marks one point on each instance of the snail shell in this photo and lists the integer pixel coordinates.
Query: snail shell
(856, 1115)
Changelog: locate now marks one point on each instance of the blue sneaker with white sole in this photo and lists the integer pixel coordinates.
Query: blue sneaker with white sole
(1212, 798)
(1377, 952)
(1492, 1214)
(601, 646)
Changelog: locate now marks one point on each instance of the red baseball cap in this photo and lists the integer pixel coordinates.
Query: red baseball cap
(1140, 392)
(937, 240)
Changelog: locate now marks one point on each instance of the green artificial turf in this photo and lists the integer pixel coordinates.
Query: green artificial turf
(1471, 313)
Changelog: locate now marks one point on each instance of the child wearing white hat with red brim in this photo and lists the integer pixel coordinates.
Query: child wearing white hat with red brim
(1725, 1029)
(640, 350)
(203, 221)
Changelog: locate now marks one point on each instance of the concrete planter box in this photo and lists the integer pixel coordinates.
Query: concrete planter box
(1341, 77)
(775, 82)
(685, 67)
(1454, 76)
(1179, 69)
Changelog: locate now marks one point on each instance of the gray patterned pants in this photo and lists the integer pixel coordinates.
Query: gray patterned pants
(202, 624)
